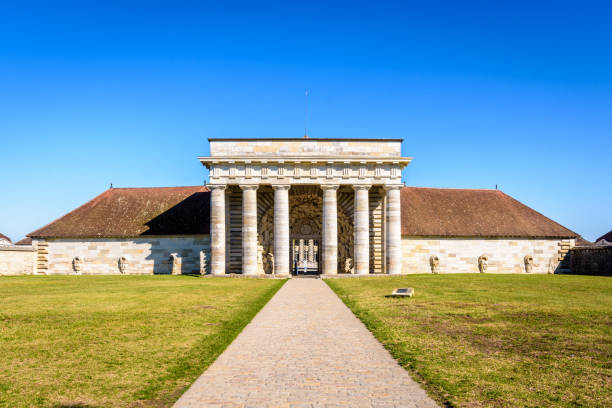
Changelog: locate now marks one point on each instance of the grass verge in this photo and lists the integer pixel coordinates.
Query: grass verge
(116, 341)
(495, 340)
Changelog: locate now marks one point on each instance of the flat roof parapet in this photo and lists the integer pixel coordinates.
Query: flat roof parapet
(300, 147)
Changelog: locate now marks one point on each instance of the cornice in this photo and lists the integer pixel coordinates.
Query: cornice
(354, 160)
(302, 139)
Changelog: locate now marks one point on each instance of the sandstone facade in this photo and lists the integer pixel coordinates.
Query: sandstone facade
(505, 255)
(151, 255)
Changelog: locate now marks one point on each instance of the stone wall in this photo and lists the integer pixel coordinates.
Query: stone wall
(143, 255)
(460, 255)
(151, 255)
(17, 260)
(596, 260)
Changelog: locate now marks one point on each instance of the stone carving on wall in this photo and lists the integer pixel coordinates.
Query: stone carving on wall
(483, 263)
(528, 263)
(551, 266)
(305, 228)
(123, 264)
(204, 263)
(271, 262)
(349, 266)
(77, 264)
(434, 263)
(174, 264)
(260, 259)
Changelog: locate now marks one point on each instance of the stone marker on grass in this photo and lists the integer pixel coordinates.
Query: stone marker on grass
(402, 292)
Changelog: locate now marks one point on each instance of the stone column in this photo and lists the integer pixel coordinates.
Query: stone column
(330, 230)
(281, 229)
(362, 230)
(394, 230)
(217, 229)
(249, 229)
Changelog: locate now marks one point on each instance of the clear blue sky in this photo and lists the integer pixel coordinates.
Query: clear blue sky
(515, 93)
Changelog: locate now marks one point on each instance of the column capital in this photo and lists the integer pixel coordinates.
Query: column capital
(281, 186)
(358, 187)
(249, 186)
(388, 187)
(329, 186)
(212, 187)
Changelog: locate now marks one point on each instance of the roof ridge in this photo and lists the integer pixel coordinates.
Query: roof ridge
(152, 188)
(456, 188)
(539, 213)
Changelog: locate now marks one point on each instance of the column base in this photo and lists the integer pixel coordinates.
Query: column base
(241, 275)
(352, 275)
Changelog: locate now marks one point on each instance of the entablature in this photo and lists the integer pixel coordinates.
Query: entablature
(305, 170)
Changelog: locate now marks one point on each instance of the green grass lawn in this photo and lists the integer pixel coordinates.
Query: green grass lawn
(495, 340)
(116, 341)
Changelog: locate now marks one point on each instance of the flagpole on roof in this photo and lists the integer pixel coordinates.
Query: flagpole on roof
(306, 114)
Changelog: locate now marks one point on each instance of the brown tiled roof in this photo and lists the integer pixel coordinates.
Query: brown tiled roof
(472, 213)
(607, 237)
(2, 236)
(25, 241)
(131, 212)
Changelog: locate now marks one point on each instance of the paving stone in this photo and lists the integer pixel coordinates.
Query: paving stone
(305, 349)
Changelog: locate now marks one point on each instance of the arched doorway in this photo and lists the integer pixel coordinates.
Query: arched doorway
(305, 218)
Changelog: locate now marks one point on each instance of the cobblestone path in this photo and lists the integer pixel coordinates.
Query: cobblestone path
(305, 348)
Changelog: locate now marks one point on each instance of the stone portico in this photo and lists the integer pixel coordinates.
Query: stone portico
(281, 206)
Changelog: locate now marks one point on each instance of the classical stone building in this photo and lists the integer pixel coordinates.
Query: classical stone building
(290, 200)
(293, 206)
